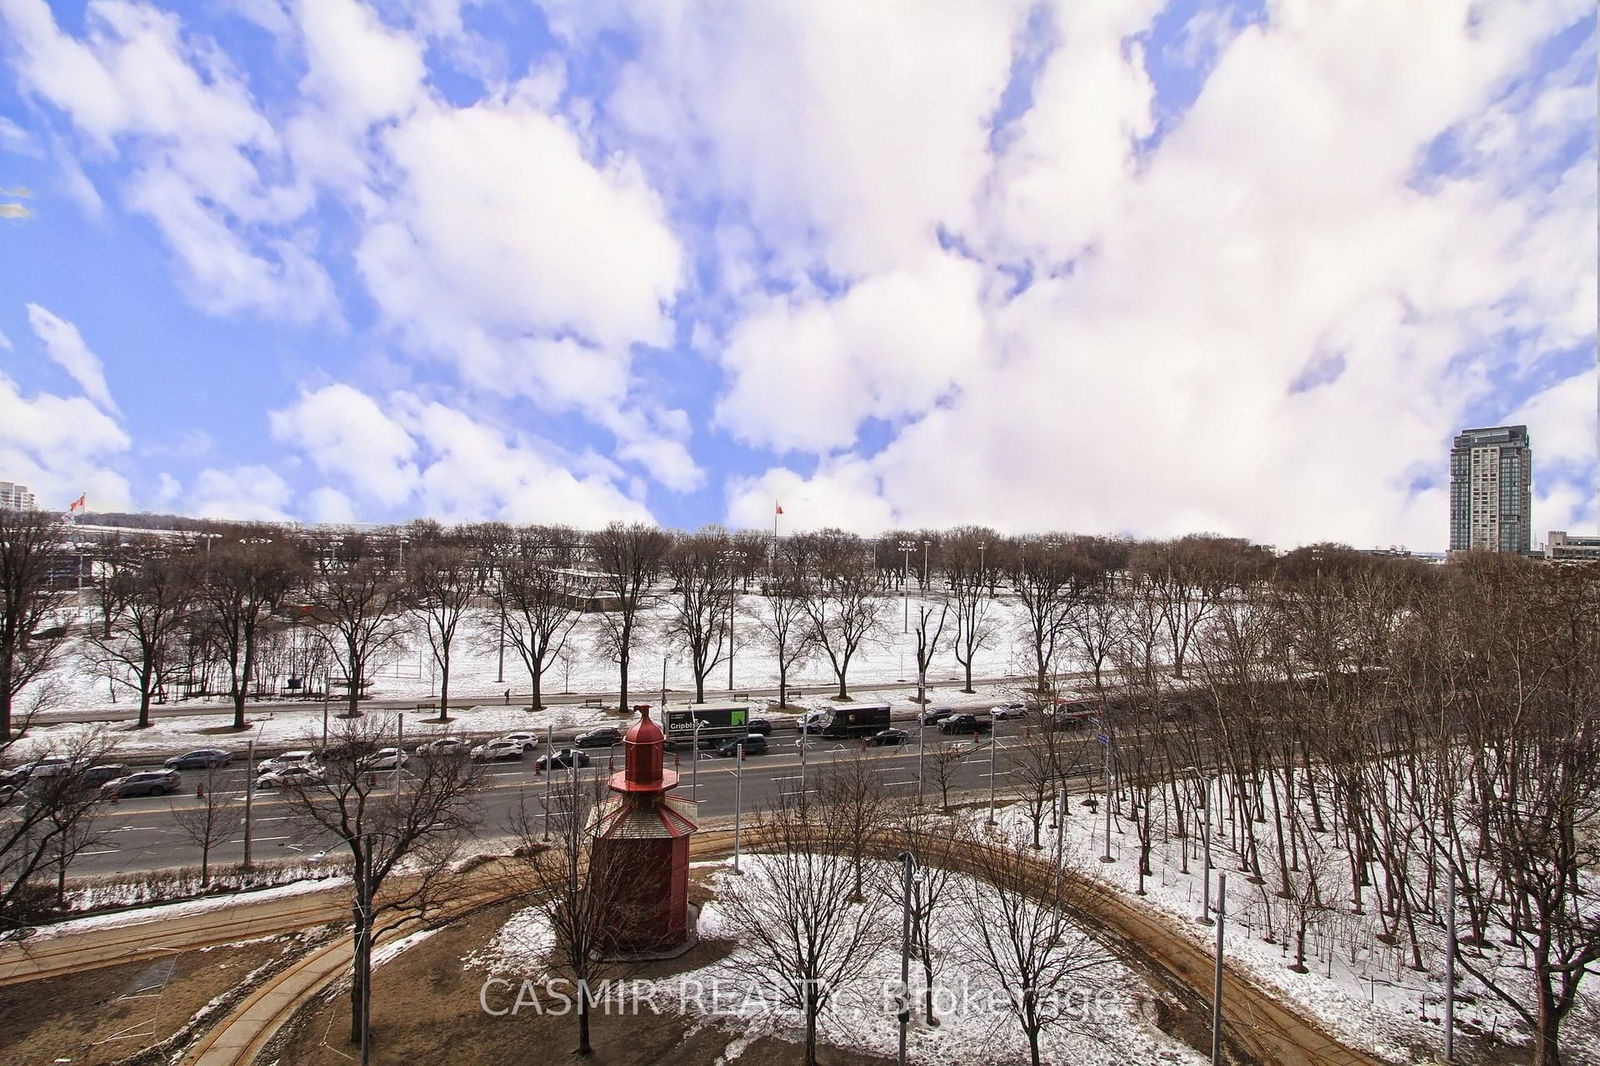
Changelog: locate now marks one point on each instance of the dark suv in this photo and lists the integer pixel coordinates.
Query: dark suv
(965, 723)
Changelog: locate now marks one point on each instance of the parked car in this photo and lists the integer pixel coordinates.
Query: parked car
(97, 775)
(384, 759)
(754, 744)
(50, 766)
(529, 741)
(933, 715)
(493, 750)
(304, 774)
(965, 723)
(144, 783)
(199, 759)
(562, 759)
(759, 725)
(442, 747)
(888, 737)
(1007, 711)
(601, 737)
(286, 760)
(16, 777)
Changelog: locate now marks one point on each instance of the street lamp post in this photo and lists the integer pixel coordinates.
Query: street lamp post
(663, 686)
(906, 548)
(549, 772)
(694, 771)
(738, 799)
(994, 742)
(730, 557)
(922, 733)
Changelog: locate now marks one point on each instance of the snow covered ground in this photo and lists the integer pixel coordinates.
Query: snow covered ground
(409, 676)
(409, 672)
(1111, 1030)
(1359, 988)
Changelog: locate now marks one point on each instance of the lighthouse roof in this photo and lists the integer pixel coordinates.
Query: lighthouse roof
(645, 730)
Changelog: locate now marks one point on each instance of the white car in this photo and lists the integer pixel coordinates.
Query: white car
(504, 748)
(304, 774)
(442, 746)
(1006, 711)
(529, 741)
(384, 759)
(286, 760)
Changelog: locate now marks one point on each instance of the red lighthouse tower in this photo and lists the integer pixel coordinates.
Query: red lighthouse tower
(641, 848)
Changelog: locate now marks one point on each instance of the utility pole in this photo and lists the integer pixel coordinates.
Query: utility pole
(1216, 993)
(549, 772)
(399, 749)
(694, 771)
(922, 733)
(738, 800)
(994, 742)
(909, 864)
(249, 795)
(1205, 835)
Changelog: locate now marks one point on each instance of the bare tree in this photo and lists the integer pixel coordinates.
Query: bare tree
(146, 603)
(248, 573)
(1017, 927)
(804, 936)
(402, 840)
(629, 558)
(445, 575)
(33, 625)
(850, 799)
(970, 573)
(842, 601)
(536, 596)
(947, 759)
(1049, 576)
(700, 566)
(783, 622)
(47, 823)
(575, 891)
(934, 843)
(357, 600)
(210, 822)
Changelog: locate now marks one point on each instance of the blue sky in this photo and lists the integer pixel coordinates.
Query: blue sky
(1123, 267)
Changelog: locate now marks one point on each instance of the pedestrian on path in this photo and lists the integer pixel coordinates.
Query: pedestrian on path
(508, 697)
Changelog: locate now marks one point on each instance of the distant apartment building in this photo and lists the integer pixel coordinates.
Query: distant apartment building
(14, 497)
(1561, 546)
(1491, 490)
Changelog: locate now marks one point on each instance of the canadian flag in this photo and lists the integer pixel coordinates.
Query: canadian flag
(78, 504)
(778, 508)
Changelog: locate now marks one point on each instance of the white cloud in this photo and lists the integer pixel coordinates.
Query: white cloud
(66, 347)
(504, 223)
(200, 154)
(247, 493)
(848, 133)
(1155, 386)
(806, 371)
(1561, 423)
(327, 504)
(61, 446)
(5, 342)
(844, 493)
(345, 434)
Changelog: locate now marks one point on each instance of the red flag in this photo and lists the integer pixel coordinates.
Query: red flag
(78, 504)
(779, 509)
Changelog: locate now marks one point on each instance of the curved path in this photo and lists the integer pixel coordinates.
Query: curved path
(1257, 1023)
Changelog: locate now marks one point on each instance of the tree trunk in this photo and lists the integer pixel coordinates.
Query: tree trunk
(444, 688)
(536, 689)
(584, 1047)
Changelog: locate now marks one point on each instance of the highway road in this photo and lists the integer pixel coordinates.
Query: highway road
(141, 834)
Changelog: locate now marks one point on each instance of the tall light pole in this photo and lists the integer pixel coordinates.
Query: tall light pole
(922, 733)
(500, 666)
(249, 795)
(729, 557)
(906, 548)
(1105, 743)
(738, 799)
(910, 865)
(549, 772)
(1450, 971)
(925, 546)
(694, 771)
(664, 687)
(994, 742)
(1216, 992)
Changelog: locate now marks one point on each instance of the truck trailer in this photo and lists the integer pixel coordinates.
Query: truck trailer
(722, 721)
(838, 723)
